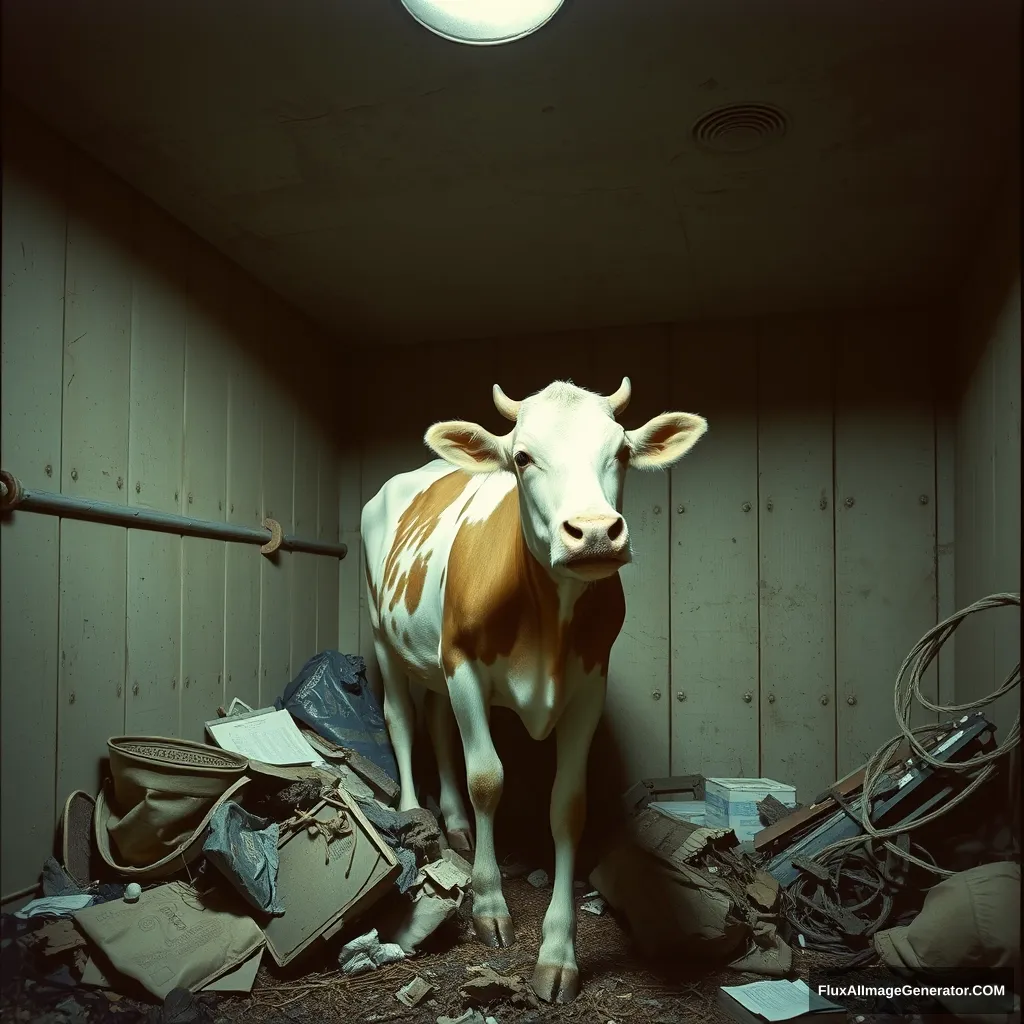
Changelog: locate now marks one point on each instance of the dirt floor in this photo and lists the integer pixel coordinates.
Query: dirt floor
(616, 985)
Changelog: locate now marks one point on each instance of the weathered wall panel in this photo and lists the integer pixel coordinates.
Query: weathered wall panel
(797, 582)
(156, 416)
(304, 566)
(988, 458)
(94, 442)
(245, 484)
(34, 228)
(275, 571)
(205, 495)
(327, 569)
(638, 673)
(885, 524)
(149, 389)
(714, 556)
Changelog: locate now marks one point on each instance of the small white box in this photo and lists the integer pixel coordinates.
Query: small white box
(732, 803)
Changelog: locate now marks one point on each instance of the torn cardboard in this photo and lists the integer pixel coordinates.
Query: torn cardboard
(684, 892)
(171, 938)
(331, 870)
(239, 980)
(414, 993)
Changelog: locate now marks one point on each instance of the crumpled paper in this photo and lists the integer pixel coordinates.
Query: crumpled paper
(367, 953)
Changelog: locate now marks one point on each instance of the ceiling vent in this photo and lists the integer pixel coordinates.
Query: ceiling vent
(739, 127)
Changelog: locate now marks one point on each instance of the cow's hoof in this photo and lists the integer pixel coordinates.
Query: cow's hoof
(461, 841)
(556, 984)
(494, 930)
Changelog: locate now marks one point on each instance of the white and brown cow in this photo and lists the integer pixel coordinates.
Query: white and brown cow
(493, 580)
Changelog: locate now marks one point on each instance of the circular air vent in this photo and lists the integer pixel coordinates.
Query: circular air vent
(740, 127)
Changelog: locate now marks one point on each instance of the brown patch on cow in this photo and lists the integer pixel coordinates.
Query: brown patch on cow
(596, 622)
(417, 578)
(468, 502)
(418, 522)
(394, 627)
(499, 601)
(396, 595)
(485, 790)
(406, 639)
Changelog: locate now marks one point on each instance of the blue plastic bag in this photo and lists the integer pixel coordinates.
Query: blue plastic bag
(333, 697)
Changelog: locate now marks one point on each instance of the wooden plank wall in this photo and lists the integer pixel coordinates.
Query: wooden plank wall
(139, 368)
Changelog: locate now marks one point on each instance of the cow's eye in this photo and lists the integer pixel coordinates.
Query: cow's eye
(522, 459)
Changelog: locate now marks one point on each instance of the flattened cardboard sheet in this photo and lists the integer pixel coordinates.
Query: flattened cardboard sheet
(324, 886)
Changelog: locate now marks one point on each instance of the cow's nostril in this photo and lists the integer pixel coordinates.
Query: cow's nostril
(573, 531)
(615, 530)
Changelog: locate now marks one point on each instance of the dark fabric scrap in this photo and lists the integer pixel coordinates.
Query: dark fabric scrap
(394, 827)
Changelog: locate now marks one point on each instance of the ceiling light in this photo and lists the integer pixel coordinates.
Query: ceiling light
(482, 22)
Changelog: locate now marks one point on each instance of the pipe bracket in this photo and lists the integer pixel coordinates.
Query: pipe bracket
(276, 536)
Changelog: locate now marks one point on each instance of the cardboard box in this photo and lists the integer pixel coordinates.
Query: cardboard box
(693, 811)
(732, 803)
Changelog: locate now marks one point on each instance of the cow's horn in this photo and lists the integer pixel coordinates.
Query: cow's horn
(504, 404)
(620, 399)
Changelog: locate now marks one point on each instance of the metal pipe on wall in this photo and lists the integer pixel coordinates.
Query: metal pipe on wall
(14, 496)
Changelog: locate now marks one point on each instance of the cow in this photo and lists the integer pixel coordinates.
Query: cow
(492, 577)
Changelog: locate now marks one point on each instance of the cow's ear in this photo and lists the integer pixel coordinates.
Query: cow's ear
(664, 440)
(467, 446)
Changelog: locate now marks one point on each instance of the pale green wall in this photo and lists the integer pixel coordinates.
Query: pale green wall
(988, 481)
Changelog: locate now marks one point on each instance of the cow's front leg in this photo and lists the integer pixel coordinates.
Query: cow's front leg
(556, 977)
(485, 778)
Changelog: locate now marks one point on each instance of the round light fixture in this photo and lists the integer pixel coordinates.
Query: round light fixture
(482, 22)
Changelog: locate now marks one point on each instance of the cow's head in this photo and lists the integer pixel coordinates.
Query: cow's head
(570, 457)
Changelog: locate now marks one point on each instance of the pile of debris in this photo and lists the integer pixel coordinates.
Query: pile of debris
(195, 859)
(280, 838)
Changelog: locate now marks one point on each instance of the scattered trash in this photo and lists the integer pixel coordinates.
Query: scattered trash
(414, 992)
(132, 892)
(244, 849)
(487, 987)
(732, 803)
(393, 826)
(775, 1000)
(538, 879)
(55, 906)
(55, 937)
(182, 1007)
(367, 953)
(690, 903)
(56, 882)
(172, 938)
(469, 1017)
(334, 867)
(267, 736)
(595, 905)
